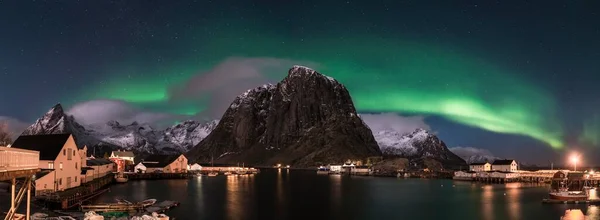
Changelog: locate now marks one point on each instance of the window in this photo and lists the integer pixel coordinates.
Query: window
(59, 181)
(73, 153)
(50, 165)
(64, 152)
(60, 165)
(70, 156)
(75, 178)
(45, 186)
(75, 165)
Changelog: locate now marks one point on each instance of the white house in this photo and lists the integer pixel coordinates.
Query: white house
(505, 165)
(139, 168)
(478, 167)
(335, 168)
(124, 155)
(194, 167)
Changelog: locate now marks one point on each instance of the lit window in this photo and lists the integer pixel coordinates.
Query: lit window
(60, 165)
(50, 165)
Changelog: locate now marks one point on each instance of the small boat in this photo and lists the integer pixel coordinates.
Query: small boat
(148, 202)
(323, 170)
(569, 195)
(123, 201)
(213, 174)
(121, 178)
(227, 173)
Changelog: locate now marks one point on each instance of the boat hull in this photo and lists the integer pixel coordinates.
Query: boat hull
(121, 180)
(563, 197)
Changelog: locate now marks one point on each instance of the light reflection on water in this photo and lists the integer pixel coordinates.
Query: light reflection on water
(592, 213)
(514, 204)
(284, 194)
(487, 200)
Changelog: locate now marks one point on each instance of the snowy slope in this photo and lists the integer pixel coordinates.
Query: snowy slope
(418, 144)
(141, 138)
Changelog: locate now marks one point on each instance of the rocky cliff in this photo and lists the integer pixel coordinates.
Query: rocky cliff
(305, 120)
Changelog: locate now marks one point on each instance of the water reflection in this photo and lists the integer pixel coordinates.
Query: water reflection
(487, 202)
(234, 203)
(280, 204)
(336, 191)
(514, 204)
(573, 214)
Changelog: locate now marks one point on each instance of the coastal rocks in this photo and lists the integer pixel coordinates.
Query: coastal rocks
(305, 120)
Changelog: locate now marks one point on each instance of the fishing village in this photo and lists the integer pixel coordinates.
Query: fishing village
(52, 172)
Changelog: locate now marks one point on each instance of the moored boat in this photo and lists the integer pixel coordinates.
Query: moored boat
(569, 187)
(148, 202)
(121, 178)
(323, 170)
(213, 174)
(569, 195)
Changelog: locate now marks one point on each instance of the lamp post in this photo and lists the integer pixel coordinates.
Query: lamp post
(574, 159)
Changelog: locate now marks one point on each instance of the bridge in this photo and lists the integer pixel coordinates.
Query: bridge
(16, 164)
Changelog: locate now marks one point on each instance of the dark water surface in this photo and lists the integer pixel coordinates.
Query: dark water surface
(306, 195)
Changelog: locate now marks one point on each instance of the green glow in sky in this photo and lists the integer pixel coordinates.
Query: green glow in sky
(382, 75)
(591, 131)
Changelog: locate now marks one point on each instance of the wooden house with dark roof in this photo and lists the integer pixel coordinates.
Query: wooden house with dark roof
(100, 168)
(505, 165)
(478, 167)
(163, 164)
(59, 156)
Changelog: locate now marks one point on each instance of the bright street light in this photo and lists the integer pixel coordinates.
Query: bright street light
(575, 159)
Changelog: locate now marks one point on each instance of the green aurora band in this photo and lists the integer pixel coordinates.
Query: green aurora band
(591, 131)
(382, 75)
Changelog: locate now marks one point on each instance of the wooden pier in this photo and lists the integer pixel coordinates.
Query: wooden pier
(154, 176)
(114, 207)
(71, 198)
(554, 201)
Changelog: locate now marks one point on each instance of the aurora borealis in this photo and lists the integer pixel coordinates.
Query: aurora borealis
(524, 76)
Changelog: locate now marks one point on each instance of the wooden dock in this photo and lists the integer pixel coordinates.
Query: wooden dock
(554, 201)
(71, 198)
(132, 208)
(154, 176)
(161, 207)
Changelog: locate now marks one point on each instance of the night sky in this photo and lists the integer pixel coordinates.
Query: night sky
(518, 78)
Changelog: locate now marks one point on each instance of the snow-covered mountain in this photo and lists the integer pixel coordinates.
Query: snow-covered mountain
(419, 144)
(480, 159)
(141, 138)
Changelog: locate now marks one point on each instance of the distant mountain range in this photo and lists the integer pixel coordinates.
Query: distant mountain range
(141, 138)
(306, 119)
(417, 146)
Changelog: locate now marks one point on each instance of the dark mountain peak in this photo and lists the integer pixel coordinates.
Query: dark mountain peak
(55, 112)
(113, 123)
(57, 108)
(305, 119)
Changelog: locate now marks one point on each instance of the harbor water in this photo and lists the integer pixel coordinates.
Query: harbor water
(284, 194)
